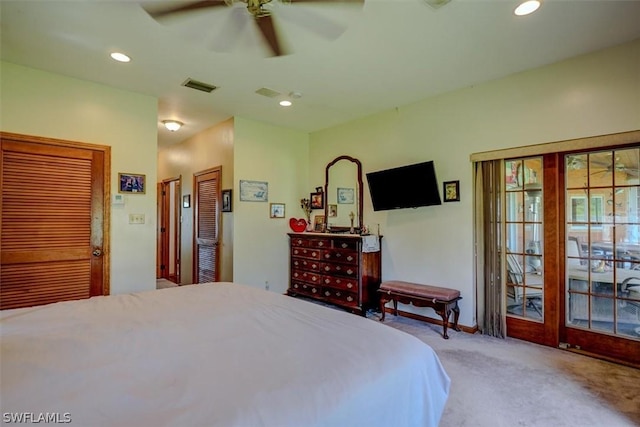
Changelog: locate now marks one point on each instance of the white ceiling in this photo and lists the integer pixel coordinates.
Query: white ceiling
(392, 53)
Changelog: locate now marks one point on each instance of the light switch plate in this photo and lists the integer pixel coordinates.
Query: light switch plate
(136, 218)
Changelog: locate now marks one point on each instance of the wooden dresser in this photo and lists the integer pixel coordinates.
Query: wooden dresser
(333, 268)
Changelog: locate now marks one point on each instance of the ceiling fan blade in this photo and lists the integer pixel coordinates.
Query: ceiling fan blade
(265, 24)
(312, 21)
(188, 7)
(231, 30)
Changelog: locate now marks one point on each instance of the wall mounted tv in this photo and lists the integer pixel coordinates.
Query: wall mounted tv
(408, 186)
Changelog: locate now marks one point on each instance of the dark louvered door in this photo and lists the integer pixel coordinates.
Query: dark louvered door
(51, 223)
(206, 225)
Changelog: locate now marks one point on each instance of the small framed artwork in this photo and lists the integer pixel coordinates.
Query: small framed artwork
(186, 201)
(451, 191)
(254, 191)
(131, 183)
(345, 196)
(226, 200)
(276, 210)
(317, 200)
(318, 223)
(333, 210)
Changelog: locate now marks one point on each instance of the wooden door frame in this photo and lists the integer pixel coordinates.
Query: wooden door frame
(163, 223)
(104, 205)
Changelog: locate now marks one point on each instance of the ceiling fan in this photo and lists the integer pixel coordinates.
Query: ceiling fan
(262, 12)
(605, 164)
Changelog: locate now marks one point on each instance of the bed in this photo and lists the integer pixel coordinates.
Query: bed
(220, 354)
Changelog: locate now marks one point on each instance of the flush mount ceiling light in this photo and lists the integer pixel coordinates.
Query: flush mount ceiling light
(172, 125)
(120, 57)
(285, 103)
(527, 7)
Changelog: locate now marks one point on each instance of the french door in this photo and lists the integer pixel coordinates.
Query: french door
(530, 249)
(53, 215)
(572, 251)
(601, 294)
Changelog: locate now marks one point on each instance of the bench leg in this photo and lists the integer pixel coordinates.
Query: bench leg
(456, 315)
(395, 306)
(383, 302)
(445, 312)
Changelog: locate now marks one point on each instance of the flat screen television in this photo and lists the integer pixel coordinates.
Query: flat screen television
(408, 186)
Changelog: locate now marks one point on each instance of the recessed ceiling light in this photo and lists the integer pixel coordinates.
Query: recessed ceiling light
(172, 125)
(527, 7)
(285, 103)
(120, 57)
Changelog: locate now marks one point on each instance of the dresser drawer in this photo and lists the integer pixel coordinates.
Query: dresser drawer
(320, 243)
(340, 296)
(340, 255)
(345, 270)
(345, 244)
(305, 264)
(305, 252)
(306, 276)
(299, 242)
(344, 283)
(306, 288)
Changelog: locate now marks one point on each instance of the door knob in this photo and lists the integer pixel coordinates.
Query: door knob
(97, 252)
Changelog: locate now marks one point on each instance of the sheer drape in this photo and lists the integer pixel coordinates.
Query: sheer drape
(488, 229)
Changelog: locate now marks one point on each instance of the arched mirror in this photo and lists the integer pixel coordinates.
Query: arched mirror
(343, 195)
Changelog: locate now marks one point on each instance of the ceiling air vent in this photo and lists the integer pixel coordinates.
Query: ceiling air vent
(265, 91)
(194, 84)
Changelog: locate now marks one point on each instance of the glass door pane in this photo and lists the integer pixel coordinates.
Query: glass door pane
(603, 241)
(524, 238)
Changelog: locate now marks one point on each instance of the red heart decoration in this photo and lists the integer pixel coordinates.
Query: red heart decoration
(298, 225)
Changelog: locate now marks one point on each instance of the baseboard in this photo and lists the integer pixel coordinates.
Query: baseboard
(463, 328)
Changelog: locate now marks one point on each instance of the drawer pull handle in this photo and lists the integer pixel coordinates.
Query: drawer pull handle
(349, 271)
(327, 281)
(344, 245)
(327, 293)
(327, 268)
(314, 290)
(349, 299)
(338, 294)
(349, 258)
(349, 285)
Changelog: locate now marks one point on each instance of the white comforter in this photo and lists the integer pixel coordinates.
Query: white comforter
(218, 354)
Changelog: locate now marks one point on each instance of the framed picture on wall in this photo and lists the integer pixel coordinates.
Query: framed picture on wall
(226, 200)
(317, 200)
(346, 196)
(254, 191)
(276, 210)
(131, 183)
(451, 191)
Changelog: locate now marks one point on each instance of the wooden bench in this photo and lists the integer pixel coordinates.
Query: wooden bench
(442, 300)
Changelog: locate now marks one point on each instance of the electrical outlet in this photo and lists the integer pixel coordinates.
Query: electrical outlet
(266, 285)
(136, 218)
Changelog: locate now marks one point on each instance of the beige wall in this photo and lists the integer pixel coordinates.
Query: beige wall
(39, 103)
(280, 157)
(589, 95)
(210, 148)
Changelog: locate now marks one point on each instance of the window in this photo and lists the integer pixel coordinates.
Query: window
(579, 210)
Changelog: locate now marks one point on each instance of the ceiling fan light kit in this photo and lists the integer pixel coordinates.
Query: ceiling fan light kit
(172, 125)
(436, 3)
(527, 7)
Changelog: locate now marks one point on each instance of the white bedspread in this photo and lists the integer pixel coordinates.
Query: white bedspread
(215, 355)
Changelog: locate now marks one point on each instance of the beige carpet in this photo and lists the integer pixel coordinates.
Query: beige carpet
(164, 284)
(509, 382)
